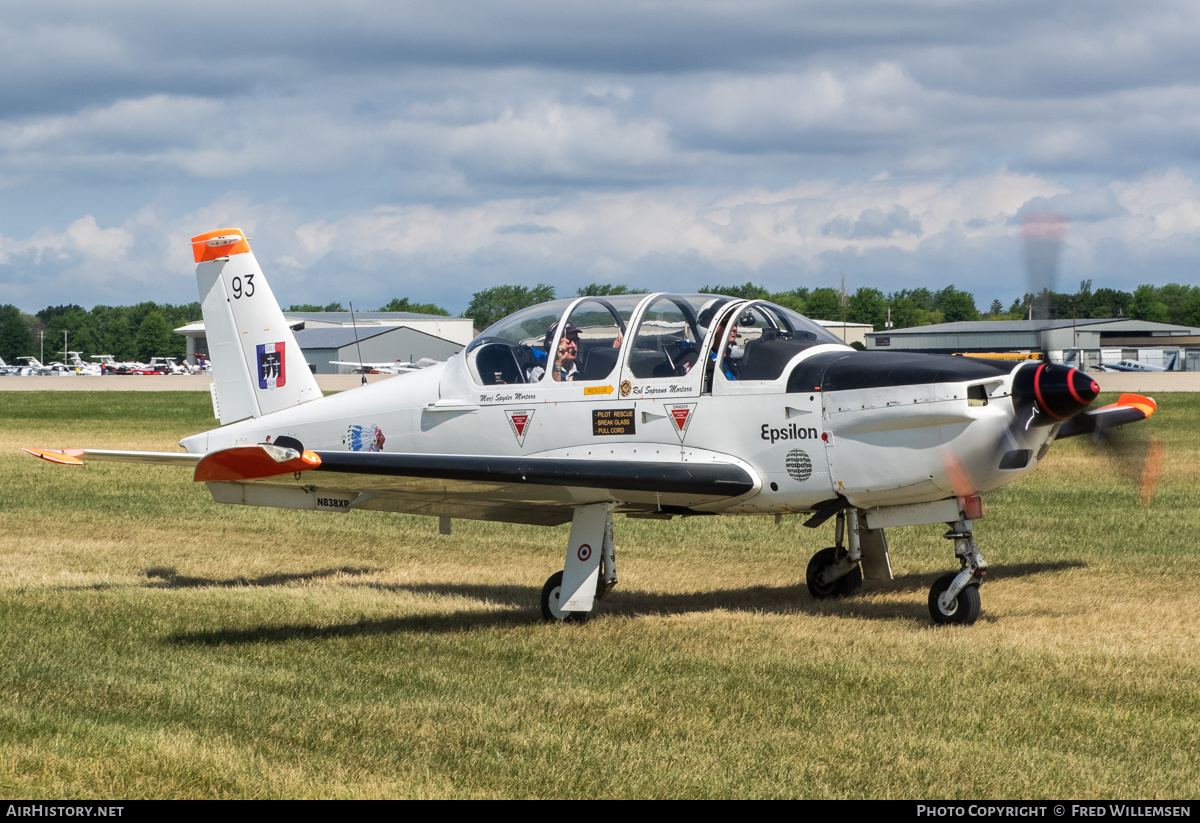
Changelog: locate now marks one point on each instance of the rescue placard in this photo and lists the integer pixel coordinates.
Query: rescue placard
(612, 421)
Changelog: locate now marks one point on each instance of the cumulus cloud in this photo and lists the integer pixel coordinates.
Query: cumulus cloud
(438, 149)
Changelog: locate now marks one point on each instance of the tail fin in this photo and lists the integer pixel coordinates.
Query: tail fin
(257, 366)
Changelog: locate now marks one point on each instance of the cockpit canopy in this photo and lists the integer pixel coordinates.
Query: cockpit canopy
(650, 336)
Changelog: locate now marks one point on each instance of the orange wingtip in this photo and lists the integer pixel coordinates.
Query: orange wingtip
(252, 462)
(1146, 405)
(66, 457)
(219, 243)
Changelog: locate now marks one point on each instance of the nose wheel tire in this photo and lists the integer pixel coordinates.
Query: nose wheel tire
(845, 586)
(551, 600)
(962, 611)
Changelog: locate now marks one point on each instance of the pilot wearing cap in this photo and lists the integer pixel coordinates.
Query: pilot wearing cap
(565, 368)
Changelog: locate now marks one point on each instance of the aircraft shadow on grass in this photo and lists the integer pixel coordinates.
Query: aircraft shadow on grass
(166, 578)
(764, 599)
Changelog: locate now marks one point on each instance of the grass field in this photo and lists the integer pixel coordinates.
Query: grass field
(155, 644)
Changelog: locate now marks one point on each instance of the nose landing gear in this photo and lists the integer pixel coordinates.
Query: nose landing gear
(954, 597)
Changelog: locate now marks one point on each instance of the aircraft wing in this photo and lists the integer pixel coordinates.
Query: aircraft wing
(77, 457)
(539, 491)
(533, 490)
(1129, 408)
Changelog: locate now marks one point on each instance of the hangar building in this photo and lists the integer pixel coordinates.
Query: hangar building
(1098, 340)
(381, 337)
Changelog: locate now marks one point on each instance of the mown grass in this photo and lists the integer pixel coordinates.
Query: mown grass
(158, 645)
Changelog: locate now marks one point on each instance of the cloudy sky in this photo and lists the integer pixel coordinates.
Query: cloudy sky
(429, 150)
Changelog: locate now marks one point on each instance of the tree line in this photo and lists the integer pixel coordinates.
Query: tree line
(1172, 303)
(135, 333)
(147, 329)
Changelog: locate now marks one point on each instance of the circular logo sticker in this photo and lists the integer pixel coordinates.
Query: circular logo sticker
(585, 551)
(626, 387)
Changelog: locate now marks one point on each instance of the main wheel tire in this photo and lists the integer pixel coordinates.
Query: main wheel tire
(551, 597)
(845, 586)
(963, 611)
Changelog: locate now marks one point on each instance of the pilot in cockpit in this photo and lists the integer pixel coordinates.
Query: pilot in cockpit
(565, 368)
(732, 354)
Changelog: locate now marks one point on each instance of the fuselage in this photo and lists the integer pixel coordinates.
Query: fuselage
(810, 418)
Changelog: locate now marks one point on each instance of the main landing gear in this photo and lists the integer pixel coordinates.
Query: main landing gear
(835, 571)
(590, 570)
(954, 597)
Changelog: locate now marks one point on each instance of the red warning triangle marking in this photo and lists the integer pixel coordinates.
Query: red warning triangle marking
(680, 417)
(519, 421)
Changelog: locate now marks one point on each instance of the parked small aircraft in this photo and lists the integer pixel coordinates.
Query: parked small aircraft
(395, 367)
(1137, 365)
(653, 406)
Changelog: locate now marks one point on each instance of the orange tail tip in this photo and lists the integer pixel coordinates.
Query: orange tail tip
(253, 462)
(65, 457)
(219, 243)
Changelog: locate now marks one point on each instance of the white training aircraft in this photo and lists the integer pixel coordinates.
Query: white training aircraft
(395, 367)
(652, 406)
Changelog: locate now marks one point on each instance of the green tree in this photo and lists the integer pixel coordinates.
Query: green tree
(604, 289)
(908, 313)
(118, 338)
(15, 337)
(1175, 298)
(867, 306)
(917, 298)
(155, 337)
(498, 302)
(746, 291)
(1147, 306)
(404, 304)
(796, 300)
(955, 305)
(1111, 303)
(80, 330)
(823, 304)
(1192, 314)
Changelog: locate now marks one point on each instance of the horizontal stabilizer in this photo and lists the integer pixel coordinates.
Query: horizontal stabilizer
(254, 461)
(77, 457)
(1129, 408)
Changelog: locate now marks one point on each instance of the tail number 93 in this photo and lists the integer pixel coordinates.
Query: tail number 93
(242, 287)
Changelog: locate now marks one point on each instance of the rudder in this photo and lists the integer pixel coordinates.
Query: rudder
(257, 365)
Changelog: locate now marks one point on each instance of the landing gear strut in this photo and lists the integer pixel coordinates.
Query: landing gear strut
(835, 571)
(954, 597)
(590, 570)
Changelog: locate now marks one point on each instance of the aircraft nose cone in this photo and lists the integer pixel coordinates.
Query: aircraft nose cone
(1060, 392)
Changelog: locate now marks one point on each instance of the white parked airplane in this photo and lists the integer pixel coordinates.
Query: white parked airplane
(654, 406)
(395, 367)
(1136, 365)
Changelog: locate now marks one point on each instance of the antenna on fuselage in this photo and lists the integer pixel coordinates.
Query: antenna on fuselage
(357, 347)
